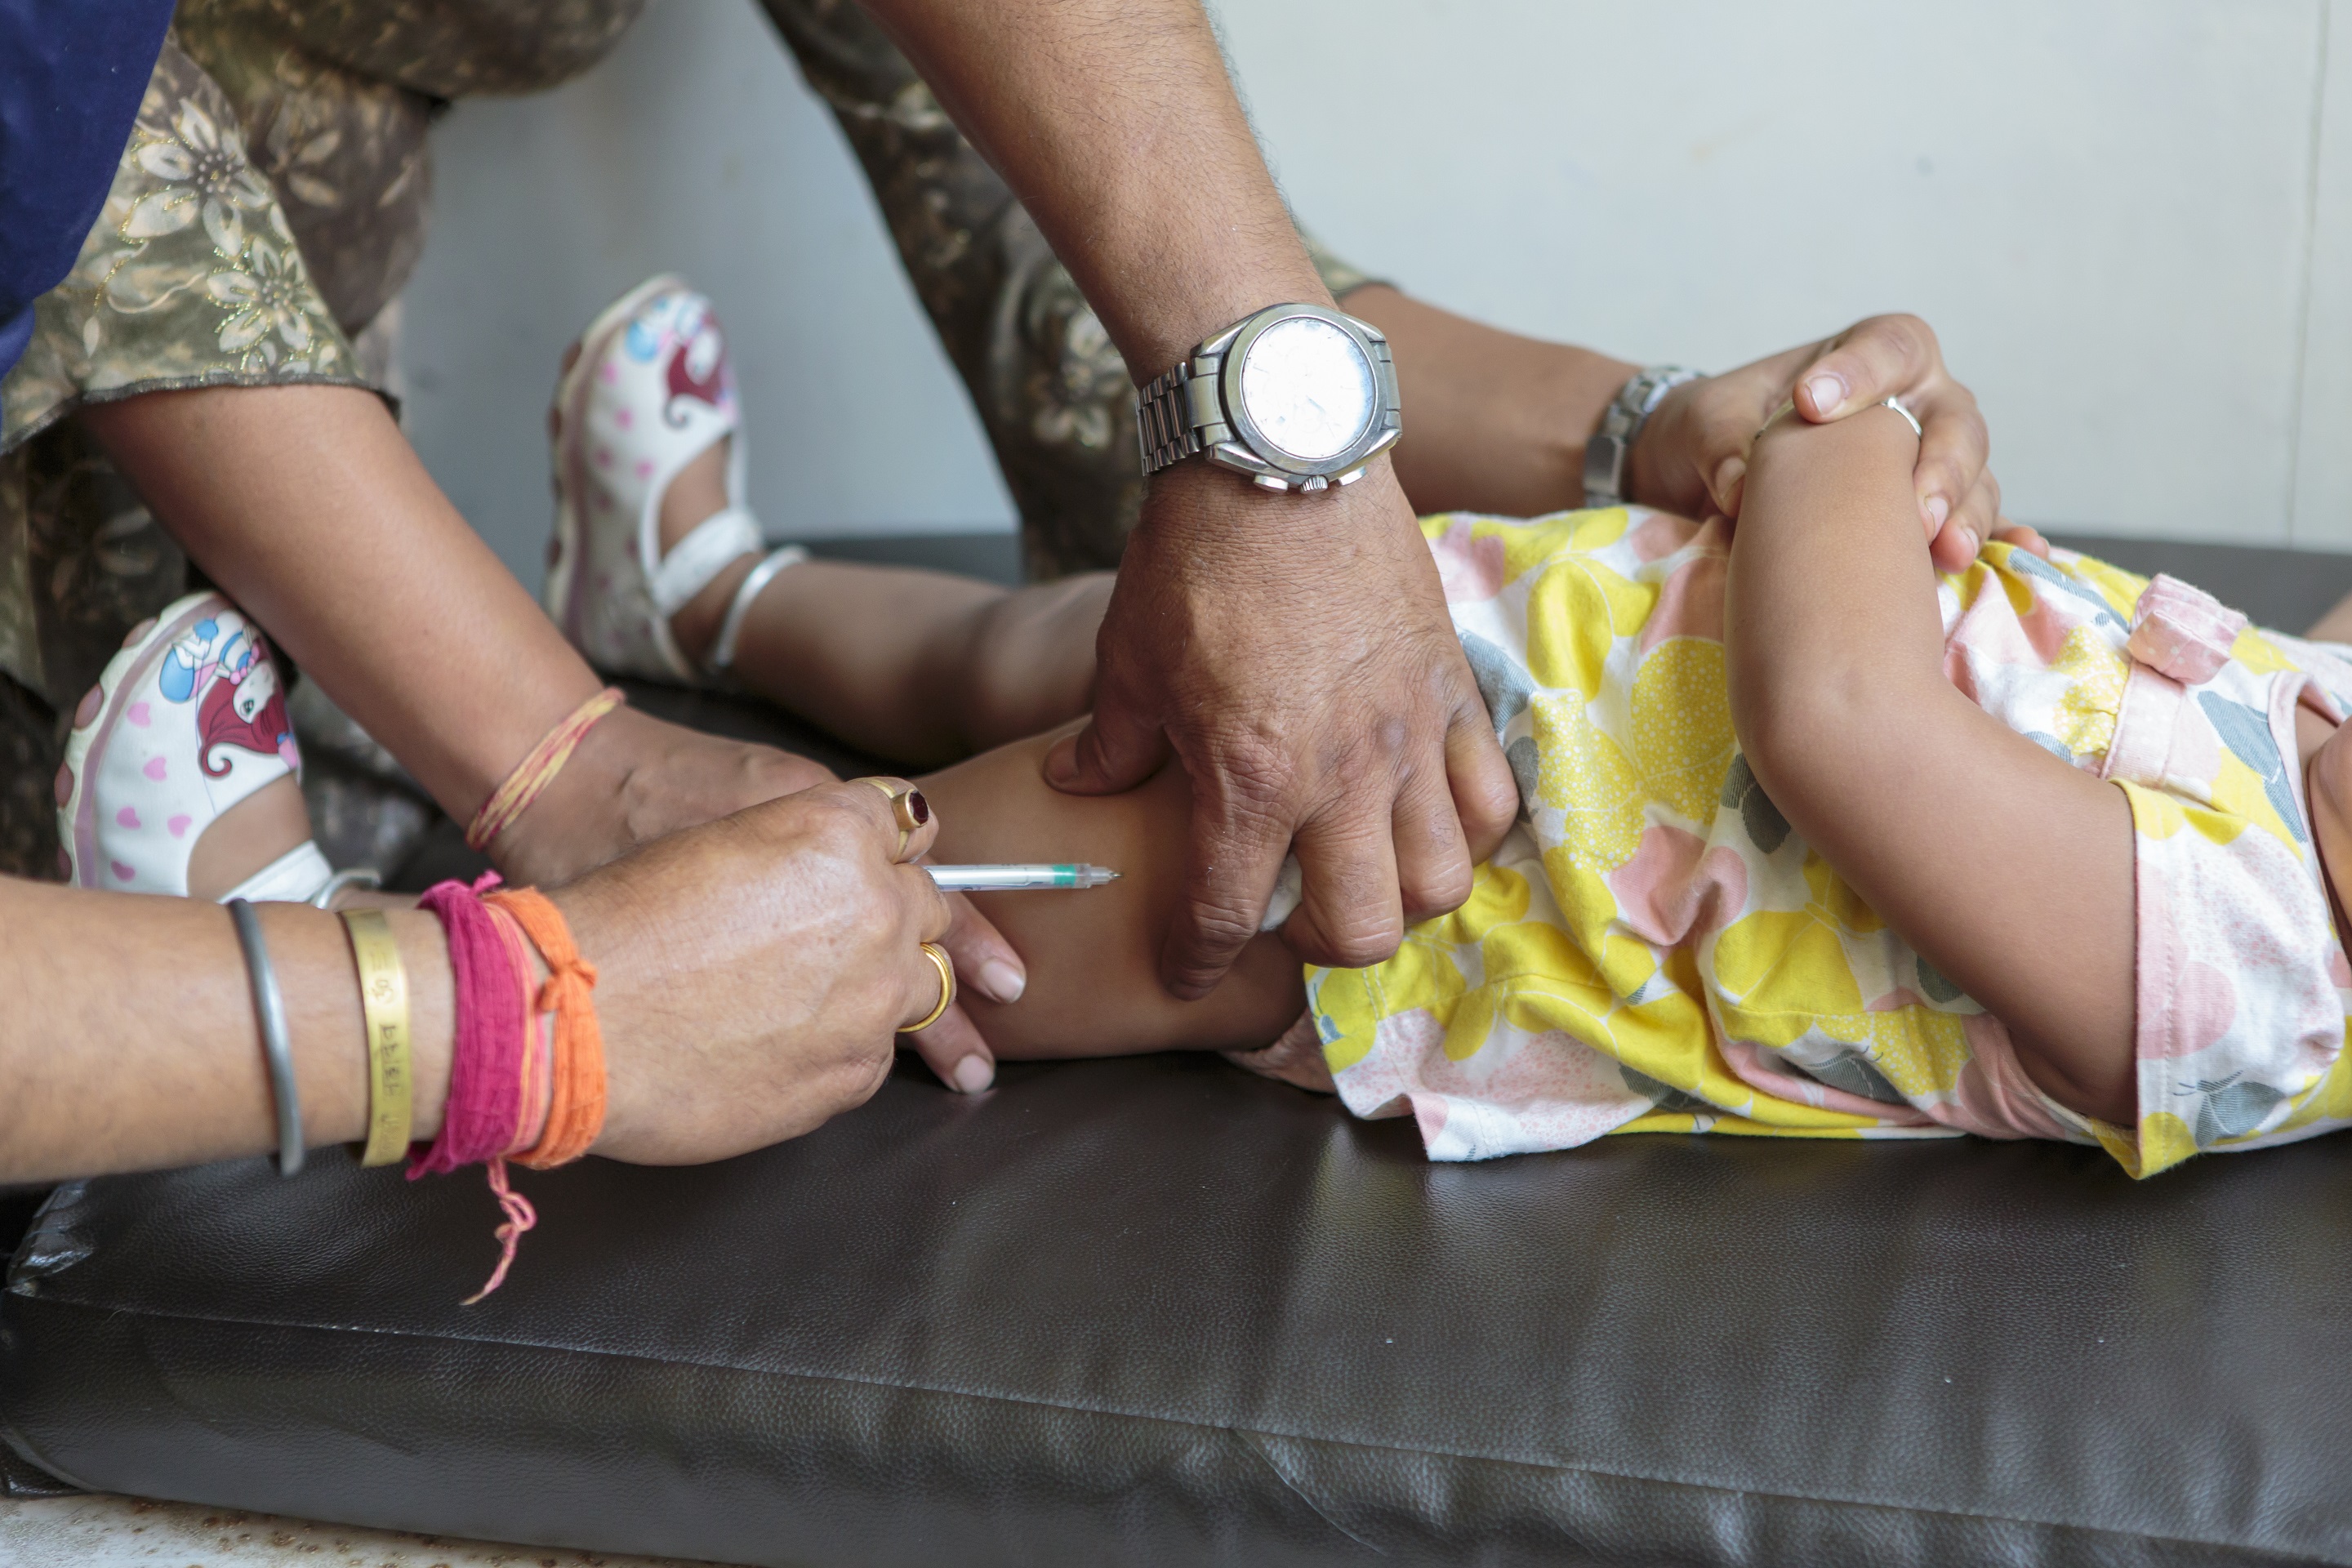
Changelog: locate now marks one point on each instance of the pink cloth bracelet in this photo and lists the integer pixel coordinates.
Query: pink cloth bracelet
(487, 1064)
(486, 1060)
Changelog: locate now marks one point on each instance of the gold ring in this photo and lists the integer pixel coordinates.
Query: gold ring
(909, 809)
(939, 957)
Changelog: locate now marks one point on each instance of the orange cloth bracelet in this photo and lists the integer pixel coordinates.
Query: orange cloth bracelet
(576, 1114)
(536, 771)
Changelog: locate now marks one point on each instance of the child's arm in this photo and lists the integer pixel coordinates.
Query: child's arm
(2008, 869)
(921, 667)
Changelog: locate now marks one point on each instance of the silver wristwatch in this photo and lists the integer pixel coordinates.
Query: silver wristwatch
(1299, 397)
(1620, 422)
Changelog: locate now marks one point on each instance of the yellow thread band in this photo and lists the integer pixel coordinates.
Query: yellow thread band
(536, 770)
(384, 1004)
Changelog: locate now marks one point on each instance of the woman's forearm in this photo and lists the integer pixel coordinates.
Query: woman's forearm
(1493, 421)
(309, 508)
(131, 1043)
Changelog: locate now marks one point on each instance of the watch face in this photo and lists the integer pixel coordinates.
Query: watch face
(1308, 388)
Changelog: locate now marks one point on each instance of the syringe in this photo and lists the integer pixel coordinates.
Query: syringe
(1009, 878)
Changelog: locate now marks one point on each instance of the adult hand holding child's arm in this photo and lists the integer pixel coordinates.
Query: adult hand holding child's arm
(1694, 454)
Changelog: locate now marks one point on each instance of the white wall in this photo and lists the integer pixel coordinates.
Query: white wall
(2131, 220)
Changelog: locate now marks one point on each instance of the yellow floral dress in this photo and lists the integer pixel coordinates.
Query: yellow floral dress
(1654, 949)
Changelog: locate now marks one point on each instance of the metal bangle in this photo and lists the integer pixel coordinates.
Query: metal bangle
(269, 1007)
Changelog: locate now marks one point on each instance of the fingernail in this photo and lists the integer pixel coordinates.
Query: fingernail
(1061, 763)
(1969, 542)
(1728, 475)
(1001, 981)
(1938, 509)
(1827, 393)
(974, 1073)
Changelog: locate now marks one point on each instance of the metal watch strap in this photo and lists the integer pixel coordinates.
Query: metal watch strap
(1196, 408)
(1166, 425)
(1620, 426)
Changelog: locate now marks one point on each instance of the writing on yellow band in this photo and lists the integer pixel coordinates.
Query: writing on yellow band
(384, 1004)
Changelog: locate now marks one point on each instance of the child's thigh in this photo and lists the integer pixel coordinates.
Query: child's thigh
(1094, 955)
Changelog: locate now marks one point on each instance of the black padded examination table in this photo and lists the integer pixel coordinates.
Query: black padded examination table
(1158, 1311)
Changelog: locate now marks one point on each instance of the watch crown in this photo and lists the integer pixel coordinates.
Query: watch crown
(1317, 483)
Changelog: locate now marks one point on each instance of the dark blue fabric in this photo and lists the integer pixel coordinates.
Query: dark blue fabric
(71, 73)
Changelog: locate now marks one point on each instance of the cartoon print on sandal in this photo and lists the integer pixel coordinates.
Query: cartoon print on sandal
(188, 719)
(244, 707)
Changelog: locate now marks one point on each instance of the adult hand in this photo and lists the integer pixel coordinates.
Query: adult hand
(637, 778)
(1692, 455)
(1294, 653)
(753, 973)
(634, 778)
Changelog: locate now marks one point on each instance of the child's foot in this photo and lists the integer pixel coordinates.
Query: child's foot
(181, 775)
(654, 558)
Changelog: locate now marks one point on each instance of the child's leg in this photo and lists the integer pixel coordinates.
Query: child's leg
(921, 667)
(1094, 956)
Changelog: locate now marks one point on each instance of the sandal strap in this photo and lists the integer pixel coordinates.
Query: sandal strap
(718, 541)
(722, 648)
(294, 878)
(364, 876)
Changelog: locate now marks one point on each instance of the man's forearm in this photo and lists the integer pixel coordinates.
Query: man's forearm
(1114, 122)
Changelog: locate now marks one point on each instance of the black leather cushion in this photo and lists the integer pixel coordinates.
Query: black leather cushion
(1161, 1312)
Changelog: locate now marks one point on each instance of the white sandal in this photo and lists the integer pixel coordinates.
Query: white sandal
(188, 719)
(651, 390)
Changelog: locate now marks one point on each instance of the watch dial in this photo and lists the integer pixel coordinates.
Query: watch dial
(1308, 388)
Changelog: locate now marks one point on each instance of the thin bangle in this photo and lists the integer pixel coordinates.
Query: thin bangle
(538, 770)
(269, 1008)
(384, 1004)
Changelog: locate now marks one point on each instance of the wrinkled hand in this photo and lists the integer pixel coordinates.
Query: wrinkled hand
(1692, 455)
(753, 972)
(1294, 653)
(637, 778)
